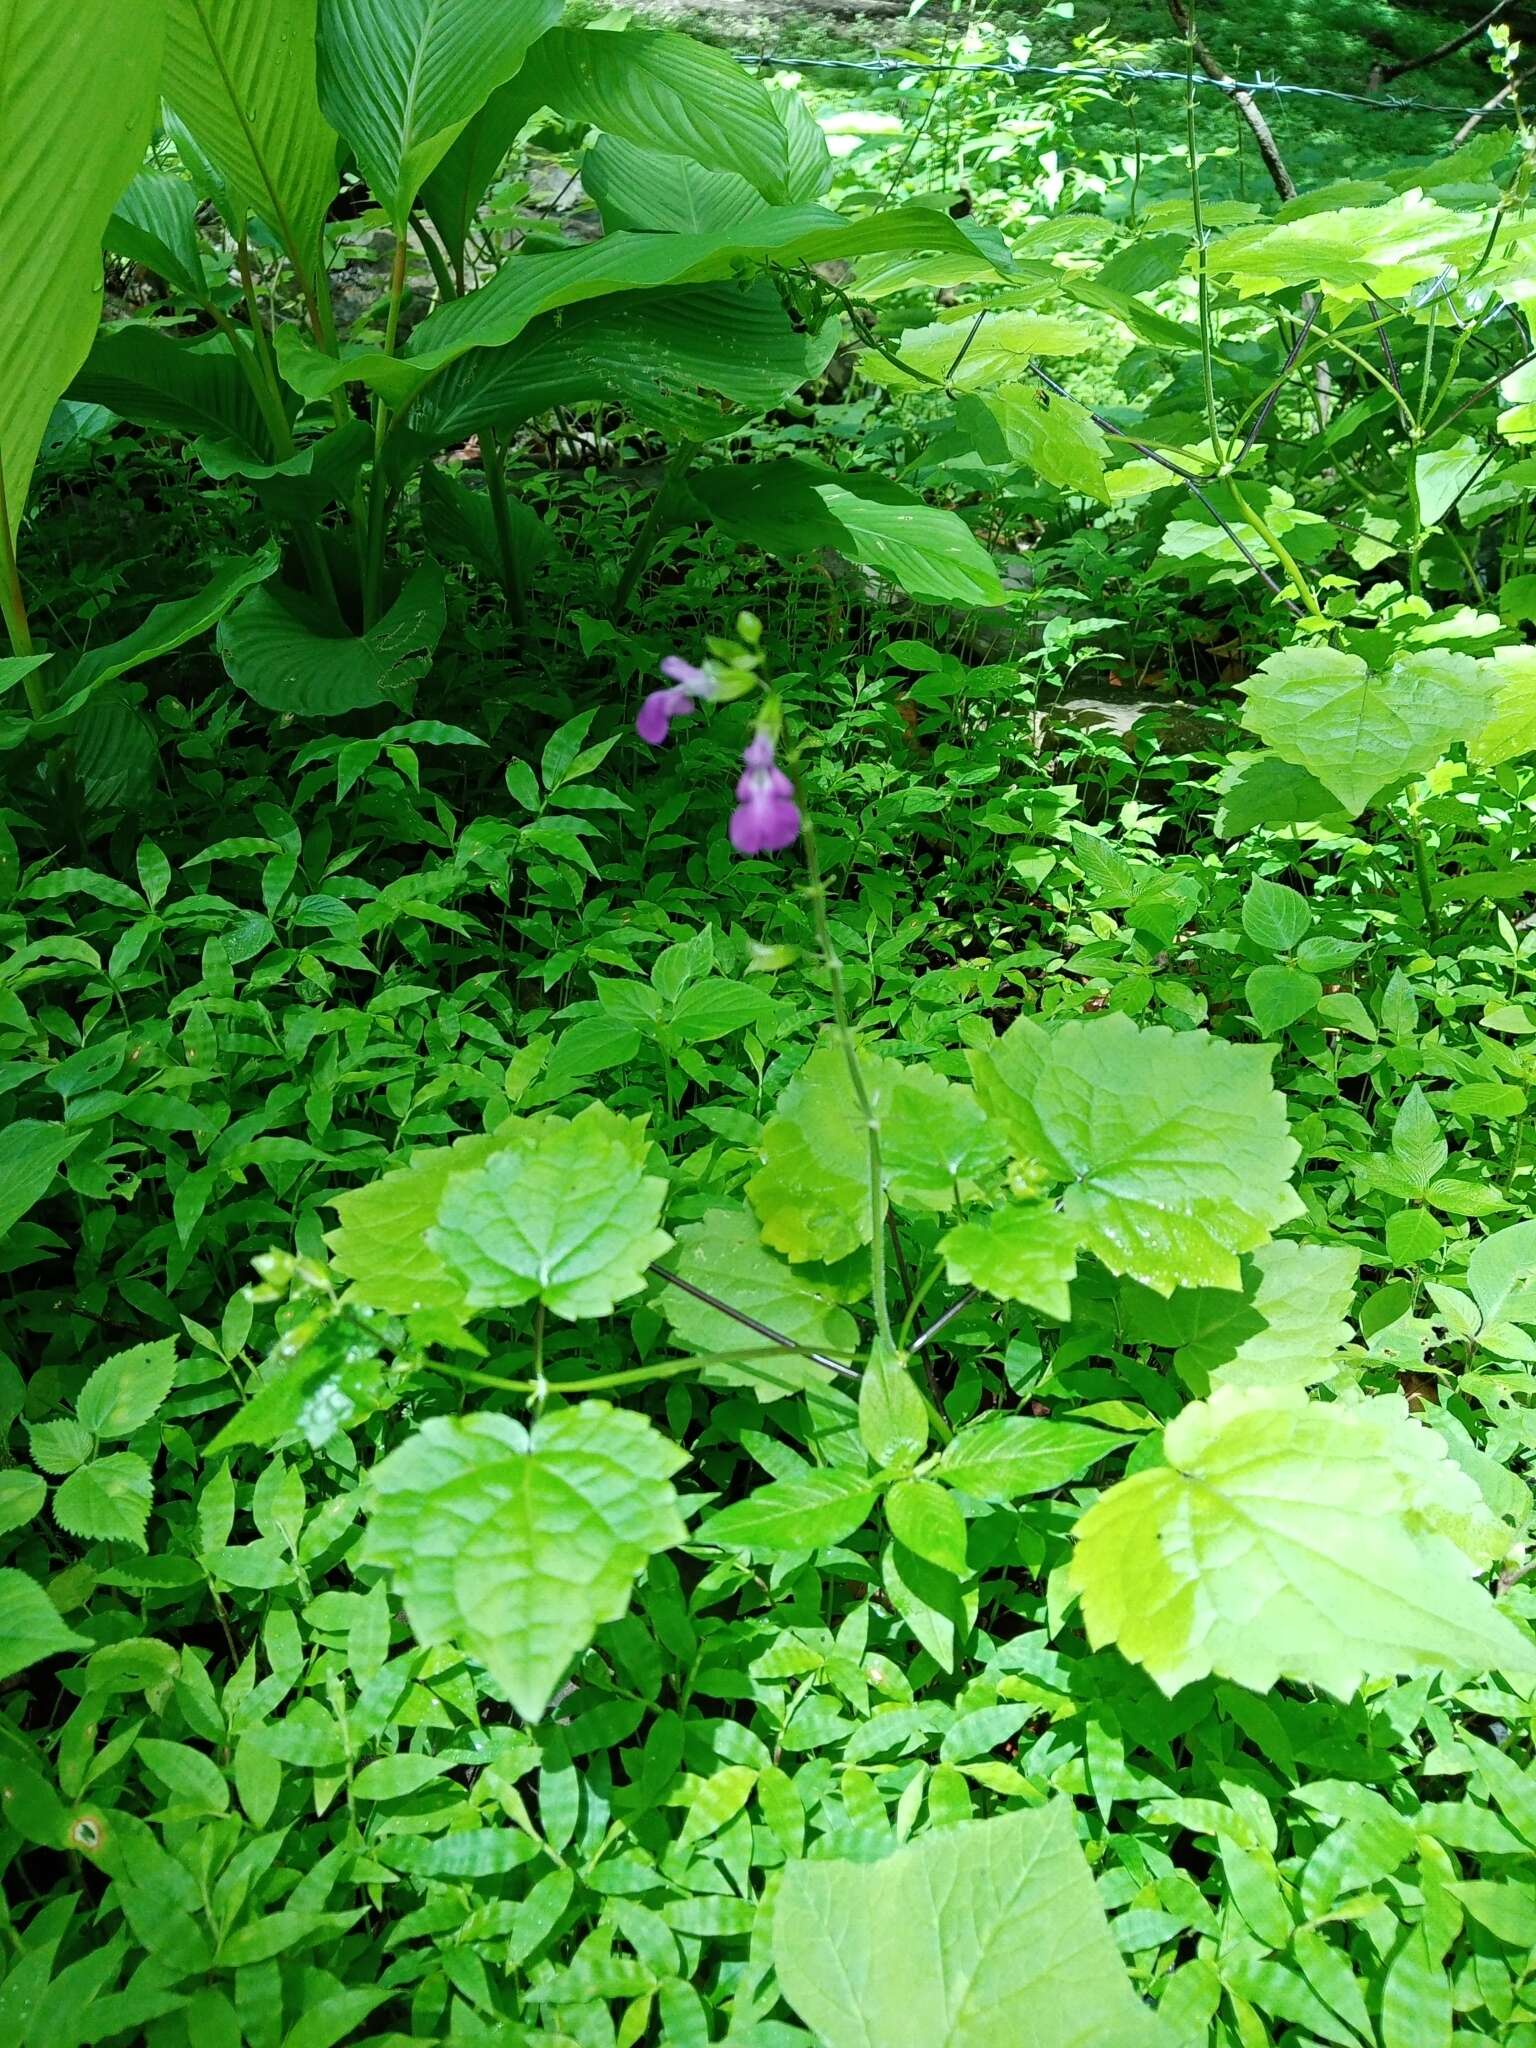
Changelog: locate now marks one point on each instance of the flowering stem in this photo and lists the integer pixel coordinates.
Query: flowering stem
(845, 1037)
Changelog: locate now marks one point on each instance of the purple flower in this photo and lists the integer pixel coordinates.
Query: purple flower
(662, 706)
(766, 818)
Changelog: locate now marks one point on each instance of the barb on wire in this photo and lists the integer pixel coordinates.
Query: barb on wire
(1094, 74)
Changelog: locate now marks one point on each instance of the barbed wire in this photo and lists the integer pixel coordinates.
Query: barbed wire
(1383, 103)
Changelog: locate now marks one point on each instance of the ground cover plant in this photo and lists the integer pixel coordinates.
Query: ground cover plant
(766, 1021)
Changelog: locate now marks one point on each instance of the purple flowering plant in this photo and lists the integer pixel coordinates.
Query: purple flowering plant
(767, 817)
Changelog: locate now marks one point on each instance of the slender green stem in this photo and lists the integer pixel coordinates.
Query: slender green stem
(437, 260)
(261, 343)
(1202, 272)
(260, 374)
(1423, 872)
(254, 368)
(13, 606)
(667, 1369)
(512, 582)
(838, 988)
(1282, 555)
(645, 542)
(378, 496)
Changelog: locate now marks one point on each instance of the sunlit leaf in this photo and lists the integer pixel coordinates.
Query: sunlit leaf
(515, 1545)
(1174, 1145)
(977, 1936)
(1325, 1542)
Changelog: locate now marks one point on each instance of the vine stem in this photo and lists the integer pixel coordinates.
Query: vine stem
(845, 1038)
(1282, 555)
(1423, 873)
(668, 1369)
(378, 506)
(1202, 275)
(738, 1315)
(650, 532)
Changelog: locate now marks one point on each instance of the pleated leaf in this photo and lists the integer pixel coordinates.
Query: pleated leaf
(399, 79)
(77, 96)
(668, 93)
(240, 82)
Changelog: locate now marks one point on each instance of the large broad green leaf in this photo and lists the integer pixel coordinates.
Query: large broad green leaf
(516, 1545)
(31, 1154)
(795, 507)
(1174, 1144)
(670, 357)
(274, 650)
(530, 285)
(562, 1213)
(400, 78)
(302, 486)
(1384, 250)
(725, 1256)
(668, 93)
(1509, 730)
(240, 81)
(30, 1626)
(454, 189)
(1286, 1327)
(1019, 1253)
(1053, 436)
(1358, 729)
(812, 1196)
(633, 187)
(155, 224)
(381, 1245)
(177, 387)
(1002, 1457)
(167, 627)
(1325, 1542)
(988, 1934)
(77, 96)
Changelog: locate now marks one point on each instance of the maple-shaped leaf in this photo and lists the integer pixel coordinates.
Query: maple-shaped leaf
(1016, 1254)
(812, 1196)
(1284, 1327)
(381, 1246)
(565, 1214)
(987, 1934)
(1174, 1145)
(1358, 729)
(1322, 1541)
(514, 1545)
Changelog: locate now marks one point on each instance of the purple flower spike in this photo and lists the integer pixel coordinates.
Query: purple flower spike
(766, 818)
(662, 706)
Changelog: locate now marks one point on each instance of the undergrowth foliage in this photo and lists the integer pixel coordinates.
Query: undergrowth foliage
(770, 1263)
